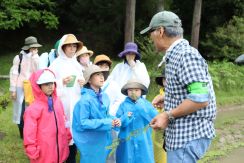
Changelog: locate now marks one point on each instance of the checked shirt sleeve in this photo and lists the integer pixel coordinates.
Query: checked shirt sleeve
(193, 68)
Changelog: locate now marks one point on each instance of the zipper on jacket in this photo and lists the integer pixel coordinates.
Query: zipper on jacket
(56, 132)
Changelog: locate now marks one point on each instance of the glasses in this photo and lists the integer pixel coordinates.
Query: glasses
(153, 29)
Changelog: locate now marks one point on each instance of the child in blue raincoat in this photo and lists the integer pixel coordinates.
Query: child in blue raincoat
(91, 122)
(135, 134)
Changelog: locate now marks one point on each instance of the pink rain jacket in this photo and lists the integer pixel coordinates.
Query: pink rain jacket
(46, 140)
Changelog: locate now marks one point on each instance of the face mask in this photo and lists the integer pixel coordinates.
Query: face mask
(84, 60)
(134, 97)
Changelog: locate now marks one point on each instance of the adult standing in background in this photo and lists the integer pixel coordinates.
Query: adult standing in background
(24, 64)
(189, 101)
(69, 80)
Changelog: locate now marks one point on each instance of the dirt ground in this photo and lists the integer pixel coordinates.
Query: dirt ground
(231, 133)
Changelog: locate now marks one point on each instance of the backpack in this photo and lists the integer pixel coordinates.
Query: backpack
(29, 97)
(20, 60)
(55, 56)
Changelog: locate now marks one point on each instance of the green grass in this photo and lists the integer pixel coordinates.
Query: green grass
(11, 146)
(235, 96)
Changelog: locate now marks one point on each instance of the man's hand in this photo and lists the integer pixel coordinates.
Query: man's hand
(160, 121)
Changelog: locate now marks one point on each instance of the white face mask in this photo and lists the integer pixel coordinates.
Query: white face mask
(85, 61)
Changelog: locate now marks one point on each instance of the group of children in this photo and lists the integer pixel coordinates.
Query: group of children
(79, 105)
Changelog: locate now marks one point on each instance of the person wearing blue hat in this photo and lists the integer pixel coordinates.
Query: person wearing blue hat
(189, 100)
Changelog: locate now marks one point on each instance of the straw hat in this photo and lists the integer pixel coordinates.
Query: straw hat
(134, 83)
(91, 69)
(31, 42)
(102, 58)
(84, 50)
(71, 39)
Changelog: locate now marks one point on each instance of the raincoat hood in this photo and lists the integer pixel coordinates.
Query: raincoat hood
(61, 51)
(36, 90)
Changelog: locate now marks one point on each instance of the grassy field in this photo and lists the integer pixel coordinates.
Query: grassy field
(227, 125)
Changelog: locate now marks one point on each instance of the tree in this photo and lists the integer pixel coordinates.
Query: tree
(14, 14)
(130, 20)
(196, 21)
(160, 6)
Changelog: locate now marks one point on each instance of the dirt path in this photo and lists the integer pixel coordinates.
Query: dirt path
(231, 133)
(230, 108)
(236, 156)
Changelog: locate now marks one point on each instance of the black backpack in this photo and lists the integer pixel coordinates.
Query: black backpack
(20, 60)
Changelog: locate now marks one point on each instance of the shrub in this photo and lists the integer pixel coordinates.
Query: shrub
(227, 41)
(227, 76)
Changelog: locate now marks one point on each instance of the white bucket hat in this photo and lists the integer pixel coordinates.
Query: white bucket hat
(46, 77)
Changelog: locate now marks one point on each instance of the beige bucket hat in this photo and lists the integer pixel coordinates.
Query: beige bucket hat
(31, 42)
(134, 83)
(102, 58)
(84, 50)
(71, 39)
(91, 69)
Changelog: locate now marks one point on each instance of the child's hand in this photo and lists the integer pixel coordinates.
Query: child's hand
(33, 51)
(13, 95)
(129, 114)
(117, 122)
(158, 101)
(67, 79)
(81, 82)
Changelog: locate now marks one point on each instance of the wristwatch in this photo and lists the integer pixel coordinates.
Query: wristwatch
(170, 116)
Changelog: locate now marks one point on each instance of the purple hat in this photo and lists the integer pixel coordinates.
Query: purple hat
(130, 47)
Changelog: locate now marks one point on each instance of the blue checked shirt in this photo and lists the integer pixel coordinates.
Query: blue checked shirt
(185, 65)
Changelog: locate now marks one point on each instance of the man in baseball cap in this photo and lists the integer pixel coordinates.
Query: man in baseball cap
(189, 101)
(165, 19)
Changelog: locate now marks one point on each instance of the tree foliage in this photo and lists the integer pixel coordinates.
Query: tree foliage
(227, 41)
(15, 13)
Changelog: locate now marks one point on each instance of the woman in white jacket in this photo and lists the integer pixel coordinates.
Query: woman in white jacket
(24, 64)
(69, 80)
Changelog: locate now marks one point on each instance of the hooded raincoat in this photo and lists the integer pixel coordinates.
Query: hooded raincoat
(45, 136)
(92, 126)
(121, 74)
(135, 140)
(63, 67)
(28, 65)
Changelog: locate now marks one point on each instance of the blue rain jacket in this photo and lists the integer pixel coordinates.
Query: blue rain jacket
(92, 126)
(135, 143)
